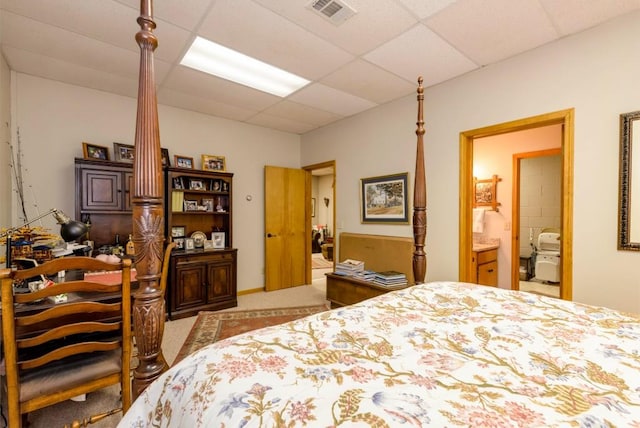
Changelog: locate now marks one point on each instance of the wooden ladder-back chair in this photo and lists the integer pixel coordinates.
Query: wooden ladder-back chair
(56, 351)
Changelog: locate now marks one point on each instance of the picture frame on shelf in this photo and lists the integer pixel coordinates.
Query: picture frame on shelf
(190, 205)
(196, 184)
(208, 204)
(123, 152)
(218, 239)
(383, 199)
(216, 185)
(183, 161)
(177, 231)
(179, 243)
(208, 244)
(189, 244)
(165, 157)
(93, 151)
(213, 163)
(177, 183)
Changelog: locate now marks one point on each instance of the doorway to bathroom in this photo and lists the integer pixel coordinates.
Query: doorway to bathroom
(510, 245)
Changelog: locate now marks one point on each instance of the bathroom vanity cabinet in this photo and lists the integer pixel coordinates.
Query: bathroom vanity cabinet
(484, 267)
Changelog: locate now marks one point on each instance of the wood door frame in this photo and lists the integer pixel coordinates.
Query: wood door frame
(564, 117)
(310, 168)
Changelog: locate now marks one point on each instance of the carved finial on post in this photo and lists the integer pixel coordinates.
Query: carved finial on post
(420, 197)
(148, 214)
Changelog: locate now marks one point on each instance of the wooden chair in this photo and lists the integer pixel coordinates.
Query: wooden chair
(56, 351)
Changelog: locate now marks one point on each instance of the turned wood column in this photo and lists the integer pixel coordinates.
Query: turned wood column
(148, 214)
(420, 197)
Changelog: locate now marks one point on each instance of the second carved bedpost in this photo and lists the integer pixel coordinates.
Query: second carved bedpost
(420, 197)
(148, 215)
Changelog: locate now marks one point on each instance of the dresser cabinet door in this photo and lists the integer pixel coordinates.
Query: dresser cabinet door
(102, 190)
(220, 281)
(190, 289)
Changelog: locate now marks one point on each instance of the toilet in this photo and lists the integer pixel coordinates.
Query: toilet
(548, 257)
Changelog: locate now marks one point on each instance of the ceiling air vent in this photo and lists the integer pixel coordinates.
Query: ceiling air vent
(335, 11)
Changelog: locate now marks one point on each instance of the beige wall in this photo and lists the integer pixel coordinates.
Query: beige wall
(5, 135)
(594, 72)
(55, 118)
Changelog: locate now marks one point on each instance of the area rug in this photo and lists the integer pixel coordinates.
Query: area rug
(320, 263)
(210, 327)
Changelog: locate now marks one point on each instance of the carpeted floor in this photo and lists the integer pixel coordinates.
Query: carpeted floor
(210, 327)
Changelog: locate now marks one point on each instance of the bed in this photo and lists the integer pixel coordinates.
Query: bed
(439, 354)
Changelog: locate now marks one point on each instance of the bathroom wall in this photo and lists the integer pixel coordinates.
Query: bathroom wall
(494, 155)
(540, 198)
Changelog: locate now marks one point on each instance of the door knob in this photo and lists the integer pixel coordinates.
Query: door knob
(269, 235)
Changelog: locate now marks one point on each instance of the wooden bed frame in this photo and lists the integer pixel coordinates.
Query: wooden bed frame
(148, 213)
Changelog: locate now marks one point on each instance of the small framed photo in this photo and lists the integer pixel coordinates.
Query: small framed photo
(216, 185)
(165, 157)
(384, 199)
(177, 231)
(179, 243)
(208, 204)
(213, 163)
(189, 244)
(208, 244)
(183, 161)
(92, 151)
(218, 239)
(177, 183)
(190, 205)
(196, 184)
(123, 152)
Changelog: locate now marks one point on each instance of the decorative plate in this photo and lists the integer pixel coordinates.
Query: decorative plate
(198, 239)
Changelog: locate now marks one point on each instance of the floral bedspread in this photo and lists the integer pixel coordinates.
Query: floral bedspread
(438, 354)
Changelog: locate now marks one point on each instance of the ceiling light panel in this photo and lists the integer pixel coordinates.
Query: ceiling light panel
(209, 57)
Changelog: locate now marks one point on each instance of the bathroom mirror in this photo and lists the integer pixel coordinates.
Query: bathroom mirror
(629, 187)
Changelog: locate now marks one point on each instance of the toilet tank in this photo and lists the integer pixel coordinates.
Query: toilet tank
(549, 241)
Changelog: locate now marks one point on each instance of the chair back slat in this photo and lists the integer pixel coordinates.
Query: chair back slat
(55, 314)
(67, 330)
(68, 351)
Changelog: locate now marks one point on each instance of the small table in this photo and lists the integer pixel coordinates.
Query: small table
(347, 290)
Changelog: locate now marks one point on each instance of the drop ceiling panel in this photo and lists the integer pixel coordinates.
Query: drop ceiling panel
(302, 113)
(374, 23)
(424, 9)
(183, 13)
(369, 81)
(570, 16)
(488, 31)
(420, 52)
(71, 47)
(61, 71)
(332, 100)
(203, 85)
(253, 30)
(204, 105)
(280, 123)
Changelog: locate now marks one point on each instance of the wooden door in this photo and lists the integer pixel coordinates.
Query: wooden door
(287, 233)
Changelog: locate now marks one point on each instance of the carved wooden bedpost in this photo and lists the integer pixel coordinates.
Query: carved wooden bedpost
(148, 214)
(420, 197)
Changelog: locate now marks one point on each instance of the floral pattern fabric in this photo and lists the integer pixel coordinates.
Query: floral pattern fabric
(438, 354)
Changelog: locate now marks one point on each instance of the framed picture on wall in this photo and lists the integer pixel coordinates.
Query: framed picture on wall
(384, 199)
(313, 207)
